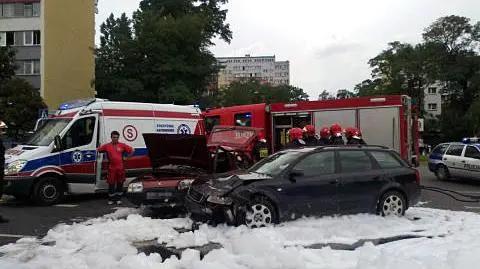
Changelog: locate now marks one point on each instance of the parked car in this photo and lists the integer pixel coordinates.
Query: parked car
(456, 159)
(177, 160)
(312, 181)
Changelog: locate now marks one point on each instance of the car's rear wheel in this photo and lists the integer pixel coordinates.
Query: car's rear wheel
(442, 172)
(260, 212)
(392, 203)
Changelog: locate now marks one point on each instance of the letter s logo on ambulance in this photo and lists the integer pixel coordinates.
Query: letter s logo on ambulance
(184, 129)
(130, 133)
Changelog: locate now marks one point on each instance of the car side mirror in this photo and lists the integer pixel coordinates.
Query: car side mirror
(57, 143)
(294, 174)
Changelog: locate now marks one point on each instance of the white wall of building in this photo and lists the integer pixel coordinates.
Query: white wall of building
(20, 24)
(260, 67)
(433, 99)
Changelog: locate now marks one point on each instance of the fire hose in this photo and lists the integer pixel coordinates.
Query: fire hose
(451, 194)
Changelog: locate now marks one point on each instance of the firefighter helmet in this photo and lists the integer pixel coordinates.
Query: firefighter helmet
(309, 129)
(336, 130)
(295, 133)
(325, 132)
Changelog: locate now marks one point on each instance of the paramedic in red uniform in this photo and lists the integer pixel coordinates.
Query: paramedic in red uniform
(116, 171)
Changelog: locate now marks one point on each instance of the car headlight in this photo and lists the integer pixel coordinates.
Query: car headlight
(184, 184)
(219, 200)
(15, 167)
(135, 187)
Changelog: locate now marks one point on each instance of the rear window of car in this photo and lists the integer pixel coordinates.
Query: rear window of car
(386, 159)
(455, 150)
(355, 161)
(471, 152)
(440, 149)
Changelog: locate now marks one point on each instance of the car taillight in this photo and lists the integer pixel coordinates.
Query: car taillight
(417, 176)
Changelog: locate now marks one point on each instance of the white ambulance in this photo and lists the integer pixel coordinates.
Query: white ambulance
(61, 156)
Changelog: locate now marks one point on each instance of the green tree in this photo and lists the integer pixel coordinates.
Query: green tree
(252, 91)
(7, 63)
(19, 105)
(167, 57)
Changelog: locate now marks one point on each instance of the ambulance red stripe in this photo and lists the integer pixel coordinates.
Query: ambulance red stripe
(148, 114)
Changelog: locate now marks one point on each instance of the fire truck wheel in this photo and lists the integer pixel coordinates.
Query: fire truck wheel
(48, 191)
(442, 172)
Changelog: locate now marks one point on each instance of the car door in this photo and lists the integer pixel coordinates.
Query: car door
(78, 154)
(360, 180)
(315, 190)
(471, 162)
(453, 160)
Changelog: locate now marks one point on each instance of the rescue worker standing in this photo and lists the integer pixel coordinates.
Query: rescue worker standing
(336, 135)
(3, 126)
(296, 139)
(354, 136)
(260, 149)
(116, 170)
(310, 139)
(324, 137)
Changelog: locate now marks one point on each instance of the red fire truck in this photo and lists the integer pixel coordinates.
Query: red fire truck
(384, 120)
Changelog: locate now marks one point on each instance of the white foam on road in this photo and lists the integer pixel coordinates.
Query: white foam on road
(108, 242)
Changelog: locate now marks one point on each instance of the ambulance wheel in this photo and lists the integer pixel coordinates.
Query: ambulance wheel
(442, 172)
(48, 191)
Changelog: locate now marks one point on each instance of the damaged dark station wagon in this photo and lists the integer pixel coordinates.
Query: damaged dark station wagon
(311, 181)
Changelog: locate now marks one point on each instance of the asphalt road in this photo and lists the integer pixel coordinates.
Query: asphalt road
(27, 220)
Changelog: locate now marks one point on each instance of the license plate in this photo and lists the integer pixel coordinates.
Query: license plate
(263, 153)
(157, 195)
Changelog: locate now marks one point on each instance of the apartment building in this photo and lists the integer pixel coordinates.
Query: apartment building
(263, 68)
(54, 48)
(433, 99)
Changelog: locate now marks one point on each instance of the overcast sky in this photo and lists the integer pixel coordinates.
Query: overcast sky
(328, 43)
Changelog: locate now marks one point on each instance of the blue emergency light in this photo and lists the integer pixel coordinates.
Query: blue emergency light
(76, 104)
(468, 140)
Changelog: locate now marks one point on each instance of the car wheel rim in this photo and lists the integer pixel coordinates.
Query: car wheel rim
(49, 191)
(259, 215)
(392, 205)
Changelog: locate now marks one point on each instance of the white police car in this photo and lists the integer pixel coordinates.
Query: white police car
(456, 159)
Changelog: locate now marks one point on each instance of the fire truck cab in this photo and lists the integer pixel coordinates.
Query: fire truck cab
(383, 120)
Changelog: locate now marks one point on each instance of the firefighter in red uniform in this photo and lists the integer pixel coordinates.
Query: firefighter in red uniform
(336, 135)
(349, 134)
(309, 135)
(116, 171)
(296, 138)
(324, 136)
(260, 149)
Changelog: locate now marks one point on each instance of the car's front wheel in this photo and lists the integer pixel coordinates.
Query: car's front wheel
(260, 212)
(392, 203)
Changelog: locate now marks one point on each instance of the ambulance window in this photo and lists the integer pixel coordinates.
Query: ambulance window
(471, 152)
(210, 122)
(80, 133)
(244, 119)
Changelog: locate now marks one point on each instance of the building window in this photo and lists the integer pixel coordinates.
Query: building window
(31, 67)
(28, 10)
(19, 38)
(28, 38)
(8, 10)
(432, 106)
(3, 39)
(36, 37)
(10, 38)
(36, 10)
(432, 90)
